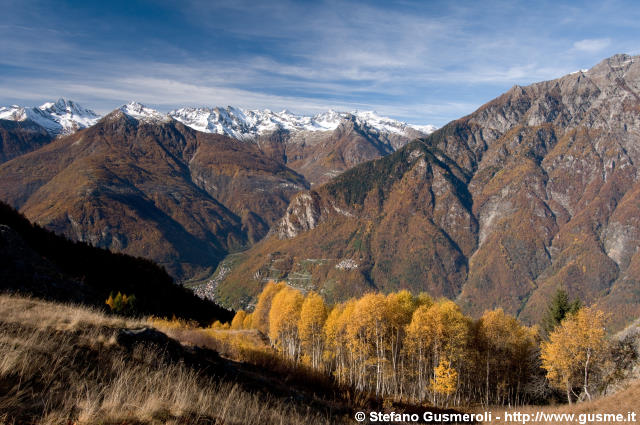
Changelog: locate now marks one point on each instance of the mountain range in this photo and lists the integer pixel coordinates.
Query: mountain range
(319, 147)
(536, 190)
(141, 182)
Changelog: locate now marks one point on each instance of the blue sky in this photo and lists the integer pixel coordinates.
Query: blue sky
(425, 62)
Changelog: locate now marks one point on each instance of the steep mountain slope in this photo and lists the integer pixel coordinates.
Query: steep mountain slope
(141, 183)
(18, 138)
(535, 190)
(319, 147)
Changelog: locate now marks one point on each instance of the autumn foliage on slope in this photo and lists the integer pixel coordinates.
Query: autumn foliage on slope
(405, 347)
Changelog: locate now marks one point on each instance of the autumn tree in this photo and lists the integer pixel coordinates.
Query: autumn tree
(238, 320)
(575, 350)
(445, 380)
(313, 315)
(508, 349)
(339, 354)
(260, 316)
(367, 331)
(436, 332)
(400, 307)
(284, 317)
(121, 303)
(248, 321)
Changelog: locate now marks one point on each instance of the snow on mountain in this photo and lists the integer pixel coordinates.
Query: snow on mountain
(142, 113)
(58, 118)
(66, 116)
(247, 124)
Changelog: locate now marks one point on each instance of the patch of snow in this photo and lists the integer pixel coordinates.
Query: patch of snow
(582, 71)
(142, 113)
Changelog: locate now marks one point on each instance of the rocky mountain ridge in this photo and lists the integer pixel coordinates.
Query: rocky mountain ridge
(245, 124)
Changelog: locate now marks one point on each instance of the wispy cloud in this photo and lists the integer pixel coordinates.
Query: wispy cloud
(425, 62)
(592, 45)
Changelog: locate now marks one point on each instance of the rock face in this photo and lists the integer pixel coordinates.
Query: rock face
(537, 189)
(322, 155)
(141, 183)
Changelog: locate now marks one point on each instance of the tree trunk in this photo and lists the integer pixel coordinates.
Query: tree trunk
(586, 375)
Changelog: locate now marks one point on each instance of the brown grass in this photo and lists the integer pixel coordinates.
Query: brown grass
(60, 364)
(623, 401)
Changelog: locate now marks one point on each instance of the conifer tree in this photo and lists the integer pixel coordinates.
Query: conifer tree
(559, 307)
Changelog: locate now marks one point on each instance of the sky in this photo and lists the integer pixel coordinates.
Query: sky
(423, 62)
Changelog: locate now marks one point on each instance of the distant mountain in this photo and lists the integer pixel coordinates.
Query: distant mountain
(57, 118)
(24, 130)
(536, 190)
(20, 137)
(141, 183)
(319, 147)
(244, 124)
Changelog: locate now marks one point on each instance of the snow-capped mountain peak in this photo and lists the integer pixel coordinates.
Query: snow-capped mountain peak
(66, 116)
(248, 124)
(13, 113)
(58, 118)
(142, 113)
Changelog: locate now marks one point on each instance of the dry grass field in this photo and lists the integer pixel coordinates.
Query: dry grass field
(622, 402)
(62, 364)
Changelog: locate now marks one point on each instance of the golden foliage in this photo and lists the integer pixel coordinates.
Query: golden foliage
(574, 349)
(284, 316)
(313, 315)
(445, 379)
(238, 320)
(405, 346)
(260, 319)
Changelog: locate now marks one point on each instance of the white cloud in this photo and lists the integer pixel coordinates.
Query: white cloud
(591, 45)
